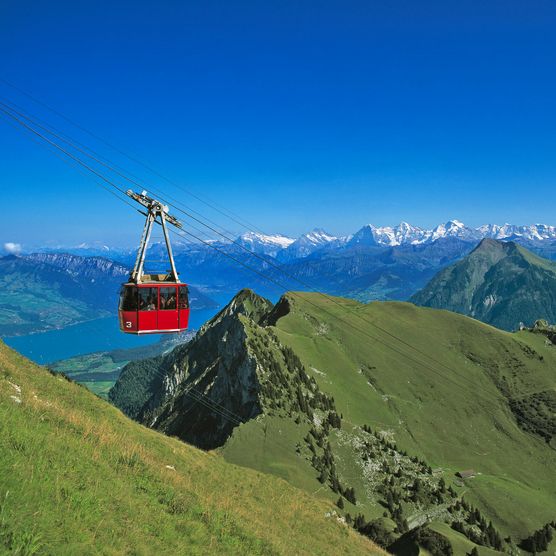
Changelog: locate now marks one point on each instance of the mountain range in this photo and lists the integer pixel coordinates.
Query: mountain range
(375, 263)
(287, 248)
(372, 264)
(404, 416)
(500, 283)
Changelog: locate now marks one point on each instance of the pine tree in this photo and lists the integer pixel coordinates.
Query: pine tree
(359, 521)
(390, 501)
(340, 503)
(334, 483)
(350, 495)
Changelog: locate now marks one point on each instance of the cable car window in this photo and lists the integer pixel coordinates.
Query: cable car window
(128, 298)
(148, 299)
(168, 299)
(184, 297)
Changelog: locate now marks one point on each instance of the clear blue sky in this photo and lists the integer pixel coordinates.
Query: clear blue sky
(292, 114)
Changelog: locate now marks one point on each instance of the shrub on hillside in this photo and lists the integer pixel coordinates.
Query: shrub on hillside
(434, 542)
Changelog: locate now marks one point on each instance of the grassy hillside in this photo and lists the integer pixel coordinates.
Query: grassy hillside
(446, 394)
(499, 283)
(77, 477)
(456, 414)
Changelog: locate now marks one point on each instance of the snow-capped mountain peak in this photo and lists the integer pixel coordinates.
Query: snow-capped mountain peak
(534, 232)
(406, 233)
(454, 228)
(317, 236)
(96, 245)
(275, 239)
(388, 235)
(264, 244)
(318, 242)
(307, 244)
(365, 236)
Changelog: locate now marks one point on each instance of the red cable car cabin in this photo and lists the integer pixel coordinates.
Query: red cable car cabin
(153, 308)
(153, 303)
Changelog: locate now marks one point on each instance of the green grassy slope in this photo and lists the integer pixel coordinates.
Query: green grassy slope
(455, 413)
(77, 477)
(440, 392)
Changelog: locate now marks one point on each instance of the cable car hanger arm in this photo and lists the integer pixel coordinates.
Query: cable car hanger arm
(155, 210)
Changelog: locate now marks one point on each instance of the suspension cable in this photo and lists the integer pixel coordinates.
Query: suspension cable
(207, 202)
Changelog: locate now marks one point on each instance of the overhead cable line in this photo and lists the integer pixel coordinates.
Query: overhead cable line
(74, 158)
(75, 166)
(211, 204)
(74, 144)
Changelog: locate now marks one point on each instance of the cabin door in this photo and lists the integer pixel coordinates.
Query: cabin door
(168, 308)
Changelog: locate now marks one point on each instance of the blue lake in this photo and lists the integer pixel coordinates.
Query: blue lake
(96, 335)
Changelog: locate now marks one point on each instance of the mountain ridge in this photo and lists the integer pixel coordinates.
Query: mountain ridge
(500, 283)
(401, 234)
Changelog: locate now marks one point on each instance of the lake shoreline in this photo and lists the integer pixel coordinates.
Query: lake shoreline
(90, 336)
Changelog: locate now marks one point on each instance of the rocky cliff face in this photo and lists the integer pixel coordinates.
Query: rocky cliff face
(232, 371)
(217, 368)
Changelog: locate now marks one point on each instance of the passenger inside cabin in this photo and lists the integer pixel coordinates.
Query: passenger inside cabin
(168, 299)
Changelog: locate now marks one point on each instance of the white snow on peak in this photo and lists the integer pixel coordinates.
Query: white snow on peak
(317, 237)
(368, 234)
(307, 244)
(404, 233)
(396, 235)
(318, 240)
(454, 228)
(534, 232)
(95, 245)
(275, 240)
